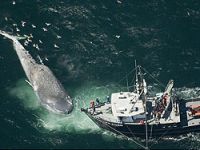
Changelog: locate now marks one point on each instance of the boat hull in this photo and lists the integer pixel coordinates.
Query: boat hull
(138, 130)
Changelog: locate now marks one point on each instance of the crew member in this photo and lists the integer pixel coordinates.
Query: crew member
(92, 106)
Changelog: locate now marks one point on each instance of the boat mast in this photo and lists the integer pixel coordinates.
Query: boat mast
(146, 128)
(143, 94)
(141, 89)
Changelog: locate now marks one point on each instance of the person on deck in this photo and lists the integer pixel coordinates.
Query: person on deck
(92, 106)
(165, 99)
(97, 101)
(108, 99)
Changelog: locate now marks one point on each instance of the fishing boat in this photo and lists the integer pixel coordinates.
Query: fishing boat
(137, 114)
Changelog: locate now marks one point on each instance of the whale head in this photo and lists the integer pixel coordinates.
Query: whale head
(59, 105)
(49, 90)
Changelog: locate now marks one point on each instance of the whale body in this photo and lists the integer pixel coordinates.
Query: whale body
(48, 89)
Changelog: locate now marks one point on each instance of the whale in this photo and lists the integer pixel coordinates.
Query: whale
(46, 86)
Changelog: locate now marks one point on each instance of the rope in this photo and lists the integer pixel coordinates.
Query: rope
(134, 135)
(126, 75)
(124, 135)
(151, 131)
(161, 84)
(161, 137)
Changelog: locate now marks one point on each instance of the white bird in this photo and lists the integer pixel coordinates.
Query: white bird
(13, 2)
(118, 1)
(58, 36)
(40, 59)
(29, 40)
(17, 29)
(48, 24)
(56, 46)
(6, 19)
(46, 58)
(23, 23)
(31, 35)
(40, 41)
(26, 43)
(37, 47)
(44, 29)
(33, 26)
(117, 36)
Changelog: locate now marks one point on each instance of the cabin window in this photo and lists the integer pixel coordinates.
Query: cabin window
(135, 109)
(124, 97)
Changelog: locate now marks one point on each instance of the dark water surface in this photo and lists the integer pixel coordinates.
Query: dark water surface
(90, 46)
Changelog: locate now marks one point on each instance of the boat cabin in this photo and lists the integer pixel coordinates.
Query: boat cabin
(127, 106)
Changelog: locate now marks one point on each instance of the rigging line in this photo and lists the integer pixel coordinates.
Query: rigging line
(146, 128)
(153, 77)
(124, 135)
(134, 135)
(131, 131)
(127, 75)
(161, 137)
(151, 131)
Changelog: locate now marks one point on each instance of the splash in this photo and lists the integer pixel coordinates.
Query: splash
(77, 122)
(188, 93)
(25, 93)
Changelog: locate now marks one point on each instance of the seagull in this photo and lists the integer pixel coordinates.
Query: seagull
(56, 46)
(44, 29)
(118, 1)
(17, 29)
(31, 35)
(23, 23)
(26, 43)
(46, 58)
(48, 24)
(117, 36)
(40, 41)
(33, 26)
(58, 36)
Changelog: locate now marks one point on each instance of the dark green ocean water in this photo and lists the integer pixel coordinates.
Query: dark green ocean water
(90, 45)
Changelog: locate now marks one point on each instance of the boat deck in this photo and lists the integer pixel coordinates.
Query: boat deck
(105, 112)
(193, 120)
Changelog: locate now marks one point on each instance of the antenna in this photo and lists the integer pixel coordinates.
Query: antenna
(136, 78)
(136, 71)
(127, 83)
